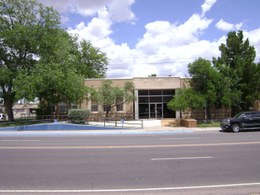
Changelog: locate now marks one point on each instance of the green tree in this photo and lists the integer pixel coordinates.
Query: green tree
(51, 84)
(237, 67)
(63, 71)
(256, 78)
(25, 28)
(186, 99)
(110, 96)
(205, 81)
(41, 60)
(89, 61)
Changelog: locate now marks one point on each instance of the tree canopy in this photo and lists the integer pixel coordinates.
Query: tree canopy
(238, 70)
(51, 84)
(229, 81)
(34, 48)
(204, 79)
(186, 99)
(60, 77)
(25, 26)
(109, 96)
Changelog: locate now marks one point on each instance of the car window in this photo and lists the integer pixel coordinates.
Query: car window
(248, 116)
(239, 115)
(256, 115)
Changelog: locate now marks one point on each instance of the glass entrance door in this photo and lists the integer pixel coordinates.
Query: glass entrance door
(155, 111)
(152, 111)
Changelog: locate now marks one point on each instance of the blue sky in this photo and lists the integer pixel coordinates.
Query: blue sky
(143, 37)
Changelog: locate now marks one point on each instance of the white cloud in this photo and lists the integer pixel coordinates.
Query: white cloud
(164, 49)
(225, 26)
(121, 59)
(164, 34)
(167, 49)
(97, 30)
(207, 6)
(118, 10)
(86, 7)
(254, 39)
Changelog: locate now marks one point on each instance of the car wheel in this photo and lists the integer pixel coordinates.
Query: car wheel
(235, 128)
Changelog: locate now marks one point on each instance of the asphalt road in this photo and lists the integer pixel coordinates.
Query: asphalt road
(195, 163)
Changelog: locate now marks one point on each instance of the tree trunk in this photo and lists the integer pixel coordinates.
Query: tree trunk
(208, 113)
(8, 103)
(68, 105)
(57, 111)
(107, 112)
(107, 109)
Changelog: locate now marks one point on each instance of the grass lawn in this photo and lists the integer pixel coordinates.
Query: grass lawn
(208, 124)
(20, 122)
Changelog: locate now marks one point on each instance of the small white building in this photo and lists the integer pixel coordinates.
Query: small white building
(2, 108)
(21, 110)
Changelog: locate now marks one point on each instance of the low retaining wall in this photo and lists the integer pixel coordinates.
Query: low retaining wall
(188, 123)
(170, 122)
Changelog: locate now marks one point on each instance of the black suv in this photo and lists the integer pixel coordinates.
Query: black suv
(242, 121)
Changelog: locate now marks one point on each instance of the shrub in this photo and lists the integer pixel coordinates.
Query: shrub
(77, 116)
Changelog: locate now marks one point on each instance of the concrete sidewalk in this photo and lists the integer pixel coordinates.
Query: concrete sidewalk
(167, 128)
(145, 131)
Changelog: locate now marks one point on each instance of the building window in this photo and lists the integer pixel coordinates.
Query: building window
(144, 111)
(119, 105)
(143, 99)
(119, 108)
(94, 106)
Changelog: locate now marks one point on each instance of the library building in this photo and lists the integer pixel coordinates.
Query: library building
(151, 97)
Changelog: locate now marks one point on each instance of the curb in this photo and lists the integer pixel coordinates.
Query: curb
(90, 132)
(67, 133)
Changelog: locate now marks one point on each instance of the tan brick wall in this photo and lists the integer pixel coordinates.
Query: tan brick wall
(170, 122)
(96, 83)
(188, 123)
(157, 83)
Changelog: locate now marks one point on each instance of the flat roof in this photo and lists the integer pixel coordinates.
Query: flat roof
(131, 78)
